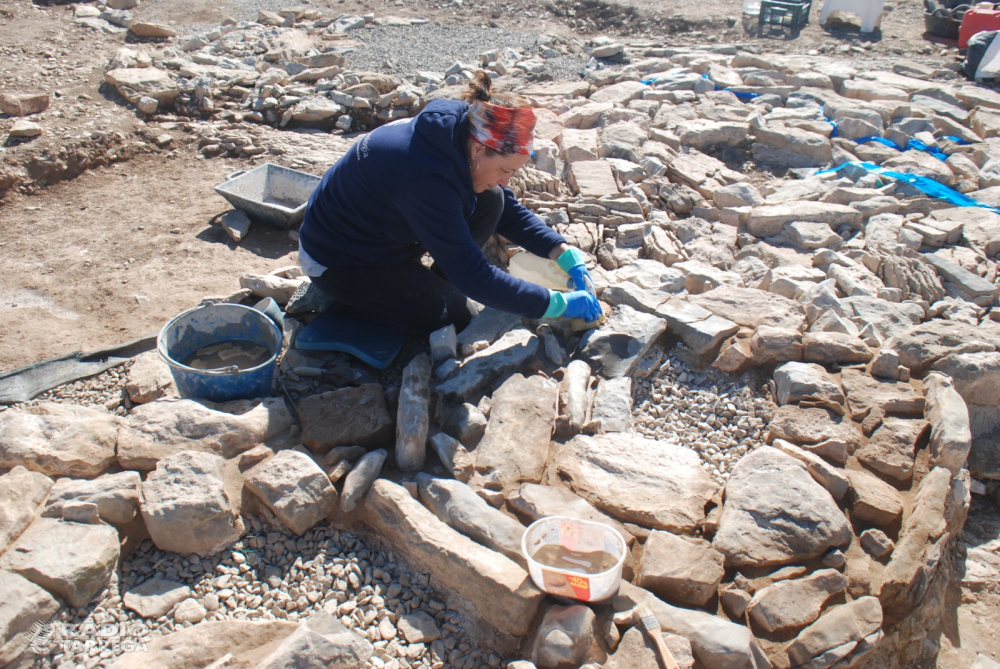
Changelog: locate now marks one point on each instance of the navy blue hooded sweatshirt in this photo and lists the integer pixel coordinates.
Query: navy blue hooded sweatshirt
(406, 187)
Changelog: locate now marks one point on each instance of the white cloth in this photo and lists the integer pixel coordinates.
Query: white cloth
(309, 266)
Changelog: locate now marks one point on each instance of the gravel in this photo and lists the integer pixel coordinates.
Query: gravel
(435, 47)
(271, 574)
(720, 417)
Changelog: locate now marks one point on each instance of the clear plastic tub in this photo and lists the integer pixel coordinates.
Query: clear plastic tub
(577, 535)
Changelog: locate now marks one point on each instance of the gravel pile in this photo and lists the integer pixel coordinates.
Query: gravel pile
(106, 390)
(273, 575)
(710, 412)
(434, 47)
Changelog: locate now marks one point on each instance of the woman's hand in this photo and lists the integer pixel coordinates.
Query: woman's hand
(572, 262)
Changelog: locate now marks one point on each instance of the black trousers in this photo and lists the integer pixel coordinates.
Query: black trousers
(408, 296)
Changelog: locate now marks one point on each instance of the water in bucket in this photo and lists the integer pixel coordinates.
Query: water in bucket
(241, 354)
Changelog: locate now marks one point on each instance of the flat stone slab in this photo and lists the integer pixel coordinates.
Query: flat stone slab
(515, 446)
(891, 450)
(295, 488)
(749, 307)
(923, 345)
(498, 588)
(593, 178)
(680, 571)
(58, 439)
(116, 496)
(476, 372)
(865, 393)
(776, 514)
(795, 603)
(614, 348)
(698, 327)
(853, 627)
(162, 428)
(345, 417)
(649, 482)
(21, 493)
(22, 604)
(72, 561)
(814, 425)
(156, 597)
(873, 500)
(768, 220)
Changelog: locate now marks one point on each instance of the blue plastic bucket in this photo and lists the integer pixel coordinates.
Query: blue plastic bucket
(212, 324)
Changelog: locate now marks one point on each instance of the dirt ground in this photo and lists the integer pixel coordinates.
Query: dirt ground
(108, 235)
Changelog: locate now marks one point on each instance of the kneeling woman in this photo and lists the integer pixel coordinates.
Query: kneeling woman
(436, 183)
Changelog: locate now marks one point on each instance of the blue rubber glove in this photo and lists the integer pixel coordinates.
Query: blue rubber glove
(572, 262)
(578, 304)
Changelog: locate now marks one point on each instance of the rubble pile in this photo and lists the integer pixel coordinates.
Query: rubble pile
(797, 387)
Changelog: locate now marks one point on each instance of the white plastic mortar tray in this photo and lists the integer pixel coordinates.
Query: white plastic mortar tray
(270, 193)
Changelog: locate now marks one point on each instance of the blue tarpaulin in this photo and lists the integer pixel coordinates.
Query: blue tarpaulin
(924, 184)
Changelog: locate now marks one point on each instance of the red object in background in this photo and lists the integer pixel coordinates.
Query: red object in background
(976, 20)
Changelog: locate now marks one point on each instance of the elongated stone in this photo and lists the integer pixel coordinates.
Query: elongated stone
(498, 588)
(360, 479)
(413, 416)
(453, 456)
(573, 398)
(462, 509)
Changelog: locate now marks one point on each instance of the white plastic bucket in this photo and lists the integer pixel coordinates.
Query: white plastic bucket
(577, 535)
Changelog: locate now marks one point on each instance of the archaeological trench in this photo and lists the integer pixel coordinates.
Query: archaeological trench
(786, 413)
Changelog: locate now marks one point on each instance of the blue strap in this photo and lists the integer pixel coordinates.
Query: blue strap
(957, 140)
(742, 95)
(924, 184)
(880, 140)
(934, 151)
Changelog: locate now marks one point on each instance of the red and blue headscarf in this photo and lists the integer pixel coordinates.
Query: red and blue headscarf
(503, 129)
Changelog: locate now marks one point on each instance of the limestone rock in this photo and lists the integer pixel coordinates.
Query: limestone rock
(717, 643)
(698, 327)
(894, 397)
(921, 346)
(679, 571)
(828, 476)
(653, 483)
(749, 307)
(533, 501)
(827, 348)
(592, 178)
(23, 104)
(236, 224)
(247, 641)
(770, 345)
(186, 507)
(149, 379)
(413, 415)
(22, 604)
(613, 349)
(564, 636)
(418, 627)
(144, 29)
(951, 436)
(346, 416)
(891, 450)
(876, 543)
(165, 427)
(496, 587)
(776, 514)
(873, 500)
(58, 439)
(295, 488)
(769, 220)
(156, 597)
(467, 424)
(976, 377)
(361, 477)
(71, 560)
(515, 446)
(817, 430)
(135, 82)
(462, 509)
(795, 603)
(612, 406)
(803, 381)
(508, 354)
(21, 493)
(321, 642)
(453, 456)
(840, 631)
(938, 514)
(636, 649)
(116, 496)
